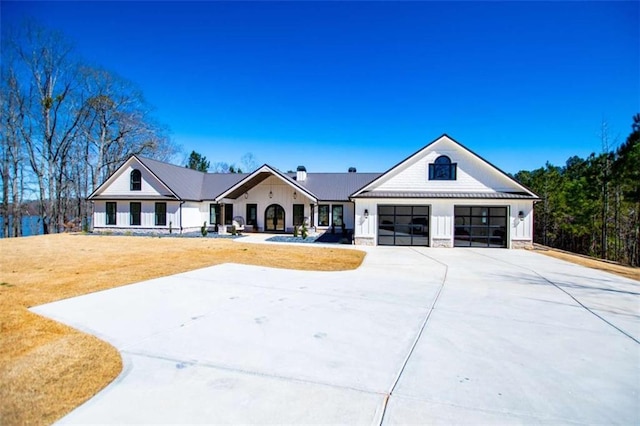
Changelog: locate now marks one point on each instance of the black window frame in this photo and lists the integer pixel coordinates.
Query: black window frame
(214, 214)
(160, 214)
(111, 216)
(136, 180)
(228, 214)
(135, 216)
(252, 214)
(340, 208)
(298, 214)
(443, 169)
(322, 207)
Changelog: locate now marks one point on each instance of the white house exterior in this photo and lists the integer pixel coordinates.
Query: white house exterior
(444, 195)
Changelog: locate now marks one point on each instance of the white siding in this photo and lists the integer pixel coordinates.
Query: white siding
(147, 216)
(441, 212)
(121, 183)
(191, 216)
(473, 174)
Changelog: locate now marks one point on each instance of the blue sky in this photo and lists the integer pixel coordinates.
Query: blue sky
(330, 85)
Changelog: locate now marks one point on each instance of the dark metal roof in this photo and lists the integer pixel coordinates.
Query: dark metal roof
(476, 195)
(216, 183)
(184, 182)
(335, 186)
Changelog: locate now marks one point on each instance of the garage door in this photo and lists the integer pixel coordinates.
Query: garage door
(403, 225)
(480, 226)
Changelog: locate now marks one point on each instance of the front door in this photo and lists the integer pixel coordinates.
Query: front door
(274, 218)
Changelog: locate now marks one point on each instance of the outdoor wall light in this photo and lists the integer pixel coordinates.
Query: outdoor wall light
(270, 194)
(246, 195)
(366, 213)
(521, 215)
(295, 195)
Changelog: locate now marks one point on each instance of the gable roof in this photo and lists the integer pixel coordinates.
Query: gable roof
(193, 185)
(260, 174)
(96, 192)
(184, 182)
(365, 191)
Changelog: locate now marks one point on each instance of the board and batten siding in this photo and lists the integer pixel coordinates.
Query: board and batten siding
(151, 186)
(147, 215)
(472, 175)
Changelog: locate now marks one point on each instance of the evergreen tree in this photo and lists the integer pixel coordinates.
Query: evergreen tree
(198, 162)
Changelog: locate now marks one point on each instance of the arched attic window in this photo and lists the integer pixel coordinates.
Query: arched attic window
(136, 180)
(442, 169)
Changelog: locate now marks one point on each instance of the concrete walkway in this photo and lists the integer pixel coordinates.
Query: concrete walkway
(413, 336)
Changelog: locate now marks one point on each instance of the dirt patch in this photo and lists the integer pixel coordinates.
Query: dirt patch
(590, 262)
(46, 368)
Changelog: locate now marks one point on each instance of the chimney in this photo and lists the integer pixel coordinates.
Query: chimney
(301, 174)
(352, 170)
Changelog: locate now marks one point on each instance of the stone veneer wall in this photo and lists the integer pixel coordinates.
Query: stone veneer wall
(436, 243)
(365, 241)
(521, 244)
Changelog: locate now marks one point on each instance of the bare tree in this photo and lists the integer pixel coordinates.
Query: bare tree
(74, 124)
(249, 162)
(56, 110)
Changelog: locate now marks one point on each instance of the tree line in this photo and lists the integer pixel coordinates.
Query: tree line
(591, 205)
(66, 126)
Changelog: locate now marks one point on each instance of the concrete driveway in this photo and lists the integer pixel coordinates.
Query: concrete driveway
(413, 336)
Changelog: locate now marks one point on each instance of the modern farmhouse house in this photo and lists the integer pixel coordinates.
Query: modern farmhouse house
(444, 195)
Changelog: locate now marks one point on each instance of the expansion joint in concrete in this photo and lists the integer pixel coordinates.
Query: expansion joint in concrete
(418, 335)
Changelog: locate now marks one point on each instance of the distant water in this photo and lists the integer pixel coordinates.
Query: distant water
(31, 225)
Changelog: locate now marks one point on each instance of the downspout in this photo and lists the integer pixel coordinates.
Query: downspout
(93, 216)
(181, 203)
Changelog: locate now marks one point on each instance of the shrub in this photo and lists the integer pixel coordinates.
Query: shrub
(295, 231)
(170, 227)
(304, 231)
(203, 229)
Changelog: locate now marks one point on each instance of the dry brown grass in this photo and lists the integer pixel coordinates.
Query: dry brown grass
(46, 368)
(590, 262)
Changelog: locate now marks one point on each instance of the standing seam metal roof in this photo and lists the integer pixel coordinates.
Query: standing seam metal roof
(193, 185)
(335, 186)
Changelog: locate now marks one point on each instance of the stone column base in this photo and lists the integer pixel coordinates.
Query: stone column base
(439, 243)
(522, 244)
(364, 241)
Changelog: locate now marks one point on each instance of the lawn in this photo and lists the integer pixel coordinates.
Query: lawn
(46, 368)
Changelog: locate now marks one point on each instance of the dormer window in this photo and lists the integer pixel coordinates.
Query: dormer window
(442, 169)
(136, 180)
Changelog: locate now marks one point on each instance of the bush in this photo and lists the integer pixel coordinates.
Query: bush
(304, 232)
(234, 231)
(295, 231)
(203, 229)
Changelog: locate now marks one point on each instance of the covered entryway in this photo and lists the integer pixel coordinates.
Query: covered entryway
(480, 226)
(274, 218)
(403, 225)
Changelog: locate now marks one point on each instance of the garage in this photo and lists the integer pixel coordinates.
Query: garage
(480, 226)
(403, 225)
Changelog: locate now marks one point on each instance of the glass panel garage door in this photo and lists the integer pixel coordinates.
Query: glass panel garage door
(403, 225)
(480, 226)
